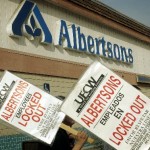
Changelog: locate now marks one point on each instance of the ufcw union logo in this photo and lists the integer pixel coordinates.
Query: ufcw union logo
(28, 21)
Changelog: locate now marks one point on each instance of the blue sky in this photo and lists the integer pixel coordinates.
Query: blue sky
(138, 10)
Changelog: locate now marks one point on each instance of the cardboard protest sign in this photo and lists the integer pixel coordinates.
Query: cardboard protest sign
(110, 108)
(28, 108)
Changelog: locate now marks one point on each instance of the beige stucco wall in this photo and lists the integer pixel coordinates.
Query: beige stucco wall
(62, 86)
(51, 14)
(145, 90)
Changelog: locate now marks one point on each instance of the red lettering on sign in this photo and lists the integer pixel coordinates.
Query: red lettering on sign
(128, 120)
(98, 104)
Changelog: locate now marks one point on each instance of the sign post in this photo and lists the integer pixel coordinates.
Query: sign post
(110, 108)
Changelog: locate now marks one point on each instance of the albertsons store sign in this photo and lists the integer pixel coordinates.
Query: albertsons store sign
(28, 21)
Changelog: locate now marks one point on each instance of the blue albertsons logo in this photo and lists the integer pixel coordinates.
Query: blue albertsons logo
(28, 21)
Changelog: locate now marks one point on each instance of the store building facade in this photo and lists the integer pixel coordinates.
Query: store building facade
(50, 43)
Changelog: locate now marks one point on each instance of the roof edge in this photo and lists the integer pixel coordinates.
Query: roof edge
(100, 13)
